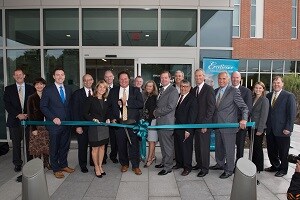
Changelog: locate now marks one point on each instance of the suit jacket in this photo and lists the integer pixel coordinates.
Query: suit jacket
(227, 111)
(149, 107)
(134, 103)
(186, 112)
(247, 97)
(33, 109)
(93, 109)
(207, 103)
(12, 103)
(166, 104)
(52, 106)
(282, 115)
(259, 113)
(77, 104)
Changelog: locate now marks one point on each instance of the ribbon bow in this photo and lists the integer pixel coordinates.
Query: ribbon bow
(141, 129)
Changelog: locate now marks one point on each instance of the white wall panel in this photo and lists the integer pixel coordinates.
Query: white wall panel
(100, 2)
(1, 3)
(20, 3)
(60, 2)
(139, 2)
(179, 2)
(215, 3)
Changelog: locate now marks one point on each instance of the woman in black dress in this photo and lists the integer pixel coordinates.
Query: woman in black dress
(149, 106)
(95, 109)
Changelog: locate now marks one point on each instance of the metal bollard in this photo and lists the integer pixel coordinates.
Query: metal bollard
(244, 181)
(34, 185)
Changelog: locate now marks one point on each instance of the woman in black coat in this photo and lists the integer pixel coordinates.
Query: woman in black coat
(149, 106)
(95, 109)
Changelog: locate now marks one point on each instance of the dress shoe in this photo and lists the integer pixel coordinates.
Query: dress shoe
(185, 172)
(84, 170)
(68, 169)
(124, 168)
(195, 167)
(114, 160)
(202, 173)
(271, 169)
(280, 173)
(18, 168)
(19, 179)
(159, 166)
(103, 173)
(137, 171)
(98, 176)
(59, 174)
(216, 167)
(163, 172)
(225, 175)
(176, 167)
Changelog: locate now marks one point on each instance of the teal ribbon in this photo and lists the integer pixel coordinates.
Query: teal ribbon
(141, 127)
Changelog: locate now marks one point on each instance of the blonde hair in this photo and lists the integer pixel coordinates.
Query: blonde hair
(155, 90)
(101, 82)
(262, 85)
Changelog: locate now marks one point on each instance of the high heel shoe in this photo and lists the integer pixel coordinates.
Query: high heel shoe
(149, 162)
(99, 176)
(103, 173)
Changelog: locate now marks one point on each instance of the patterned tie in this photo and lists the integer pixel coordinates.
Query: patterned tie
(179, 102)
(21, 97)
(161, 90)
(124, 108)
(62, 94)
(219, 98)
(274, 99)
(89, 94)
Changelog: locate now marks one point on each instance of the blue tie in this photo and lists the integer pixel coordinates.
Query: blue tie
(62, 94)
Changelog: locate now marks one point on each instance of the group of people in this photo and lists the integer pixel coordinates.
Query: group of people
(177, 103)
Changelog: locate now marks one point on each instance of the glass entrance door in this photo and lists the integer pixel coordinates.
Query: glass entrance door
(97, 67)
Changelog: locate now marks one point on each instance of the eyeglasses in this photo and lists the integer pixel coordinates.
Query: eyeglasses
(184, 86)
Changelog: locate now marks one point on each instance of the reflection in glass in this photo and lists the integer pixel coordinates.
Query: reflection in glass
(212, 32)
(22, 27)
(278, 66)
(251, 80)
(29, 60)
(100, 27)
(97, 68)
(213, 54)
(1, 34)
(139, 27)
(242, 65)
(289, 66)
(2, 113)
(298, 66)
(266, 79)
(152, 71)
(66, 58)
(61, 27)
(179, 28)
(243, 79)
(252, 65)
(265, 65)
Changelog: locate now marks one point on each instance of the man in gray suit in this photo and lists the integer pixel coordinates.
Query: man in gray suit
(228, 102)
(164, 114)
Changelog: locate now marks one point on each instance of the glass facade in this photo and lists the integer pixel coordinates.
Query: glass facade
(2, 114)
(139, 27)
(99, 27)
(179, 28)
(61, 27)
(22, 27)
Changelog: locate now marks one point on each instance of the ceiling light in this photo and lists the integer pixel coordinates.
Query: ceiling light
(68, 35)
(147, 35)
(104, 60)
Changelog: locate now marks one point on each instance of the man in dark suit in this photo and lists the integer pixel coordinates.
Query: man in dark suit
(124, 103)
(15, 102)
(206, 100)
(247, 97)
(109, 79)
(79, 98)
(228, 102)
(280, 124)
(186, 113)
(165, 114)
(55, 105)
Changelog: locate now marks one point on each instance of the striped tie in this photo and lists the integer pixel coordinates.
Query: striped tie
(274, 99)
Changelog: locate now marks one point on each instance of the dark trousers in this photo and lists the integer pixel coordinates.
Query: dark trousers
(183, 149)
(83, 142)
(278, 151)
(59, 148)
(240, 143)
(16, 135)
(113, 144)
(258, 154)
(202, 149)
(122, 142)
